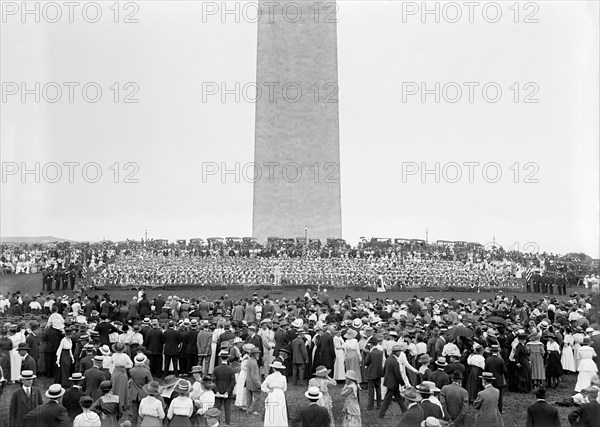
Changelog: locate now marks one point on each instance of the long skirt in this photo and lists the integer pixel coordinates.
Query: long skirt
(567, 359)
(474, 384)
(339, 371)
(240, 389)
(120, 383)
(148, 421)
(353, 364)
(180, 421)
(276, 414)
(554, 367)
(523, 378)
(587, 369)
(211, 364)
(64, 371)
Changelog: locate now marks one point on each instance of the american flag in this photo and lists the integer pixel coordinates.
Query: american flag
(529, 275)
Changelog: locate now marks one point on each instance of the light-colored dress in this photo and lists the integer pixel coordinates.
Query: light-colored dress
(567, 359)
(587, 367)
(339, 371)
(240, 385)
(268, 342)
(325, 401)
(15, 358)
(276, 412)
(352, 358)
(577, 341)
(536, 358)
(119, 363)
(351, 409)
(87, 419)
(213, 346)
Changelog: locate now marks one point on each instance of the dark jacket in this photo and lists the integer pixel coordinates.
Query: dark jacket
(542, 414)
(20, 405)
(412, 417)
(312, 416)
(374, 364)
(91, 384)
(455, 401)
(172, 340)
(50, 414)
(154, 341)
(29, 364)
(224, 379)
(440, 378)
(392, 378)
(496, 366)
(431, 409)
(587, 415)
(327, 350)
(299, 353)
(71, 401)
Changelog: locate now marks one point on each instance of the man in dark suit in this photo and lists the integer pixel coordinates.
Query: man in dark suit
(24, 400)
(93, 377)
(392, 379)
(33, 340)
(313, 415)
(299, 360)
(227, 335)
(281, 340)
(414, 415)
(191, 339)
(105, 328)
(28, 363)
(495, 364)
(439, 376)
(154, 342)
(455, 400)
(541, 414)
(588, 414)
(224, 384)
(327, 349)
(71, 398)
(253, 383)
(50, 414)
(430, 409)
(87, 361)
(374, 370)
(172, 340)
(255, 339)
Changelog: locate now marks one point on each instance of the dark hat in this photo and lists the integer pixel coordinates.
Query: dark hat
(457, 375)
(207, 382)
(106, 385)
(23, 346)
(151, 388)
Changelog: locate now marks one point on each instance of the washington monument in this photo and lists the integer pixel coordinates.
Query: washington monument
(297, 125)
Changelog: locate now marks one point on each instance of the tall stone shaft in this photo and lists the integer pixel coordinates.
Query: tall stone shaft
(296, 150)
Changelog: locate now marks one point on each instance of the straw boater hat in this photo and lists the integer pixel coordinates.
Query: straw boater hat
(182, 387)
(27, 375)
(105, 350)
(313, 393)
(430, 422)
(140, 359)
(77, 376)
(487, 376)
(431, 385)
(196, 370)
(277, 365)
(321, 371)
(55, 391)
(441, 361)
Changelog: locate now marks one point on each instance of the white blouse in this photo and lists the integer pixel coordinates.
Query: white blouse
(152, 407)
(476, 360)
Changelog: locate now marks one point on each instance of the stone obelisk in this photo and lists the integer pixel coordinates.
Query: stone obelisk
(296, 154)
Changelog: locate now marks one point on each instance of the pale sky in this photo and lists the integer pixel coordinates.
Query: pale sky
(170, 53)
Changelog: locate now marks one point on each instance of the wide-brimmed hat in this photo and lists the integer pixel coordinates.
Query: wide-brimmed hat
(487, 376)
(248, 347)
(105, 350)
(207, 382)
(351, 333)
(412, 394)
(196, 370)
(55, 391)
(431, 385)
(27, 375)
(277, 365)
(77, 376)
(151, 388)
(352, 375)
(321, 371)
(118, 346)
(357, 323)
(441, 361)
(313, 393)
(424, 389)
(424, 358)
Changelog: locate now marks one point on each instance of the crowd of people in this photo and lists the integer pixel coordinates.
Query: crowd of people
(197, 362)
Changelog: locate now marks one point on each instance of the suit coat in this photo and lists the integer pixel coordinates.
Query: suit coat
(495, 365)
(50, 414)
(29, 364)
(587, 415)
(542, 414)
(71, 401)
(455, 401)
(431, 409)
(253, 382)
(224, 379)
(140, 376)
(86, 363)
(412, 417)
(203, 342)
(20, 405)
(596, 346)
(33, 341)
(327, 350)
(392, 378)
(256, 340)
(312, 416)
(91, 384)
(172, 340)
(191, 340)
(154, 341)
(440, 378)
(299, 352)
(487, 403)
(374, 364)
(281, 341)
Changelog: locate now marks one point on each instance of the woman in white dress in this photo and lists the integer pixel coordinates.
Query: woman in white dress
(567, 359)
(587, 367)
(577, 341)
(352, 349)
(213, 346)
(276, 413)
(240, 385)
(339, 371)
(16, 337)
